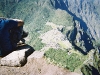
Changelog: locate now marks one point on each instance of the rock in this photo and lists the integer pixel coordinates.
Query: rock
(55, 39)
(17, 58)
(37, 54)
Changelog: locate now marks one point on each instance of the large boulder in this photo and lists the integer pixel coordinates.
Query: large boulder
(17, 58)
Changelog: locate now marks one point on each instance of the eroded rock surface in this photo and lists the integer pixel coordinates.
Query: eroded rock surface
(17, 58)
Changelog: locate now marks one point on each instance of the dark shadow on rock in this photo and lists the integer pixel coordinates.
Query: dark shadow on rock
(27, 53)
(20, 54)
(94, 71)
(89, 70)
(80, 50)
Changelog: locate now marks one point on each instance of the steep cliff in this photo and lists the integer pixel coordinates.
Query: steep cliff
(86, 22)
(85, 12)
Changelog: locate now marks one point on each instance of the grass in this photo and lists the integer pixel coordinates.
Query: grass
(1, 14)
(62, 58)
(61, 17)
(37, 44)
(62, 45)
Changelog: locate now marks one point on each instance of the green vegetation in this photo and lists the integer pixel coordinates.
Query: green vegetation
(92, 69)
(62, 58)
(1, 8)
(1, 14)
(96, 61)
(61, 17)
(35, 41)
(87, 70)
(36, 13)
(37, 44)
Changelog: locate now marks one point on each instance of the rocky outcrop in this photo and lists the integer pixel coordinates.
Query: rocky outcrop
(17, 58)
(80, 39)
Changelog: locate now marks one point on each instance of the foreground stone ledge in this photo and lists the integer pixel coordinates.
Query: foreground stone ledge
(17, 58)
(36, 54)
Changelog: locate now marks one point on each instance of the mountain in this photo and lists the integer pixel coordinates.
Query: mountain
(72, 22)
(85, 12)
(86, 18)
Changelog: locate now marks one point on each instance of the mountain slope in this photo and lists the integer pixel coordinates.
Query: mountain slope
(86, 22)
(79, 18)
(85, 12)
(35, 14)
